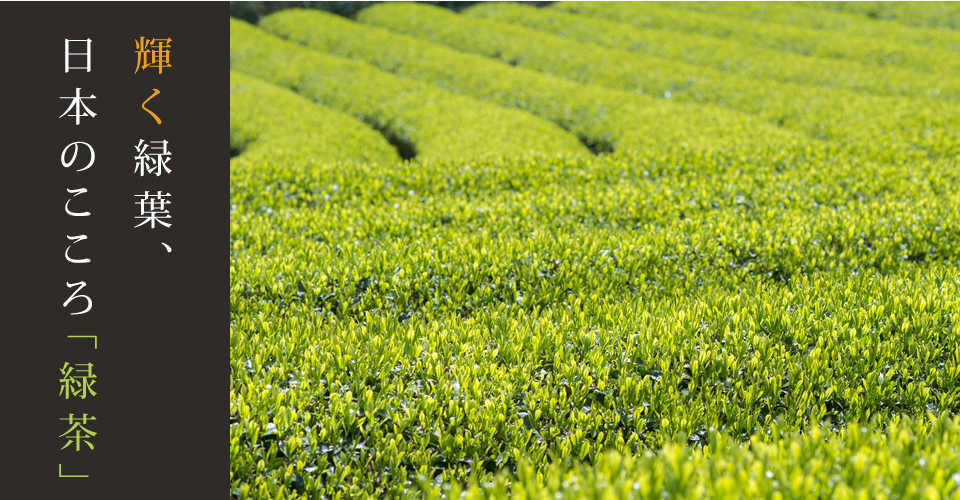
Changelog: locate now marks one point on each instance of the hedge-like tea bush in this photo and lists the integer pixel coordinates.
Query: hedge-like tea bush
(365, 406)
(864, 464)
(887, 128)
(727, 55)
(283, 139)
(267, 120)
(423, 119)
(887, 51)
(855, 27)
(692, 316)
(923, 15)
(439, 319)
(603, 118)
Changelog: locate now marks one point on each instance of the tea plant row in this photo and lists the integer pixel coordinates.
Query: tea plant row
(441, 124)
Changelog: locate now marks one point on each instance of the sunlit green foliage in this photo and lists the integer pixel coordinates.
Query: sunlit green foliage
(444, 311)
(855, 27)
(728, 55)
(885, 51)
(700, 313)
(425, 120)
(603, 118)
(285, 138)
(269, 121)
(863, 464)
(886, 128)
(920, 14)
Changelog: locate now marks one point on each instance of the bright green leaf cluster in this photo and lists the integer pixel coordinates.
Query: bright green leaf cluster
(282, 137)
(853, 26)
(735, 56)
(717, 308)
(861, 464)
(425, 121)
(607, 120)
(884, 128)
(266, 119)
(923, 15)
(439, 320)
(889, 50)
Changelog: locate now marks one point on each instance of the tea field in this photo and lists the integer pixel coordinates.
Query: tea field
(596, 250)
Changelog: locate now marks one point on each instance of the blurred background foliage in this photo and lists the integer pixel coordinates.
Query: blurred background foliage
(252, 12)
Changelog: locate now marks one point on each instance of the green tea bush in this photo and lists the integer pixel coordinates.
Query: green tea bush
(856, 214)
(697, 314)
(370, 405)
(269, 120)
(438, 320)
(885, 128)
(853, 26)
(886, 51)
(283, 138)
(924, 15)
(604, 119)
(726, 55)
(864, 464)
(424, 120)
